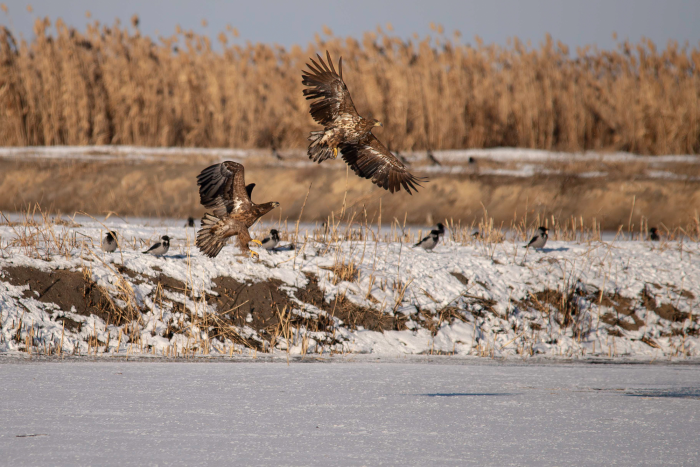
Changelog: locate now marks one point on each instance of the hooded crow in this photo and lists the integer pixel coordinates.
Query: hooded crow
(440, 228)
(190, 222)
(109, 243)
(540, 238)
(271, 242)
(654, 234)
(160, 248)
(431, 158)
(431, 240)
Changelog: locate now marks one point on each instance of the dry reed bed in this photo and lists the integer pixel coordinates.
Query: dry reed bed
(113, 85)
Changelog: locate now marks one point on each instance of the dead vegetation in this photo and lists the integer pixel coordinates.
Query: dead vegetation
(110, 84)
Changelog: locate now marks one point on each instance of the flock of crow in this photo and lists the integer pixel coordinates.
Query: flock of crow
(222, 187)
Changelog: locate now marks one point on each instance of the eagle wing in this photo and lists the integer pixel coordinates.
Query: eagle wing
(249, 190)
(328, 86)
(222, 189)
(370, 159)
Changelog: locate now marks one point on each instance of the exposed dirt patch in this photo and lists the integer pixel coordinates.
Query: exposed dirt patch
(624, 315)
(264, 307)
(168, 283)
(67, 289)
(460, 277)
(351, 314)
(665, 311)
(263, 301)
(564, 306)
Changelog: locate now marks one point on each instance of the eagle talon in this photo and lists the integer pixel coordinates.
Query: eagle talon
(255, 255)
(258, 242)
(335, 152)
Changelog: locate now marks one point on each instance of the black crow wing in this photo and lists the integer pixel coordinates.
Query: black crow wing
(222, 189)
(157, 245)
(327, 86)
(370, 159)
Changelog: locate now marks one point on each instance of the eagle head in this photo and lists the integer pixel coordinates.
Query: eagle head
(376, 122)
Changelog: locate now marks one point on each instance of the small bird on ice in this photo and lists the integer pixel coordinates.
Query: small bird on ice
(160, 248)
(654, 234)
(109, 243)
(190, 222)
(540, 239)
(431, 240)
(271, 242)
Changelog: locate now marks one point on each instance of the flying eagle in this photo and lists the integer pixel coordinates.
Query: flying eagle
(345, 130)
(222, 188)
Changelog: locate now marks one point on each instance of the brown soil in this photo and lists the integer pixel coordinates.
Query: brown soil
(264, 302)
(66, 289)
(460, 277)
(665, 311)
(624, 312)
(169, 189)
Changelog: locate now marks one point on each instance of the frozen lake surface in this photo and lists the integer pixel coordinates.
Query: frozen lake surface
(447, 412)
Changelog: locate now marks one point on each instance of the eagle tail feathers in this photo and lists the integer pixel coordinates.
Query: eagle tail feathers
(207, 241)
(318, 151)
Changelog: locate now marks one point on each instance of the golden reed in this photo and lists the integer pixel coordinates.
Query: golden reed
(113, 85)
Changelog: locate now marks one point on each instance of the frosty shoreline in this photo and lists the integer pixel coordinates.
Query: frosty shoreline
(635, 300)
(499, 162)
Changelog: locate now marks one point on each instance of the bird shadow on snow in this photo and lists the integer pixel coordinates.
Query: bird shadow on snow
(464, 394)
(289, 247)
(680, 393)
(551, 250)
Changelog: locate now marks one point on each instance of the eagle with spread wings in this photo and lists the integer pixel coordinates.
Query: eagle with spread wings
(348, 132)
(222, 188)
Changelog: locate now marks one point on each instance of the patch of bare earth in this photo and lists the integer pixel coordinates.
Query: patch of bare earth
(69, 290)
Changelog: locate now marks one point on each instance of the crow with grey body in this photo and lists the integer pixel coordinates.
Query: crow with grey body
(109, 243)
(540, 239)
(431, 240)
(269, 243)
(160, 248)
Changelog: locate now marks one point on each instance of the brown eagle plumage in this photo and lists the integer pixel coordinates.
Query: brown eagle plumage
(347, 131)
(222, 188)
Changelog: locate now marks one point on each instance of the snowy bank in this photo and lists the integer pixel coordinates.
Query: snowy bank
(343, 292)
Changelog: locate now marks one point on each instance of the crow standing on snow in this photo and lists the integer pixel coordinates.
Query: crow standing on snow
(654, 234)
(540, 239)
(271, 242)
(160, 248)
(109, 243)
(431, 240)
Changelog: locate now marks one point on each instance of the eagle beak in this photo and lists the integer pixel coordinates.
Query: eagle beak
(378, 124)
(275, 204)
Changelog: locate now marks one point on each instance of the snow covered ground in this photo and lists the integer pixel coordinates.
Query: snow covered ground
(503, 162)
(574, 299)
(443, 412)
